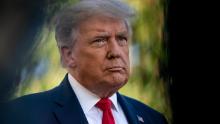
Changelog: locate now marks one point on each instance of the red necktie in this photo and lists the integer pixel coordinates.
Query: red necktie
(105, 105)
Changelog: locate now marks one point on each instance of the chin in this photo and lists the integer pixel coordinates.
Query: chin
(118, 82)
(112, 85)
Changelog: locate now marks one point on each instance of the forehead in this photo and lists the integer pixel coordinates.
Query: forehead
(103, 24)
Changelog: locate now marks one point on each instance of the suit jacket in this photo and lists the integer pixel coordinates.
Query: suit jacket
(61, 106)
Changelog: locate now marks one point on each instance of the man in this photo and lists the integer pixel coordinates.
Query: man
(93, 38)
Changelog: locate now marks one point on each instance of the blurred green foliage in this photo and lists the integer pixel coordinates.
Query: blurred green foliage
(147, 52)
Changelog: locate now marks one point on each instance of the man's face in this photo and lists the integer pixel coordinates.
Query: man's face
(101, 55)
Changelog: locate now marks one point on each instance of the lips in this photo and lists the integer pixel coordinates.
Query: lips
(115, 68)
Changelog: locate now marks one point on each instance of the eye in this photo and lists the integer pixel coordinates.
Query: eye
(122, 40)
(99, 42)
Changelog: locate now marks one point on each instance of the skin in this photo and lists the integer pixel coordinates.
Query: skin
(99, 59)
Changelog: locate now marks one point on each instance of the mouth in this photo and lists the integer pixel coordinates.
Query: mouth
(115, 69)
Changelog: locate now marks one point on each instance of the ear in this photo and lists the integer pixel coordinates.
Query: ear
(68, 57)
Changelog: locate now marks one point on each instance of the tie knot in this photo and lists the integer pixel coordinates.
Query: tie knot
(104, 104)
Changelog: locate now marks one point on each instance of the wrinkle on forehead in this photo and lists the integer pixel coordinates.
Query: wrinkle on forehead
(93, 23)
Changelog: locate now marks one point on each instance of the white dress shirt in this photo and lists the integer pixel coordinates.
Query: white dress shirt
(88, 101)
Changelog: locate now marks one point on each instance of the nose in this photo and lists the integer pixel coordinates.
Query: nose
(113, 50)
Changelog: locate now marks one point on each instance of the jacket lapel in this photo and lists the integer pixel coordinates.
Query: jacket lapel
(128, 109)
(67, 107)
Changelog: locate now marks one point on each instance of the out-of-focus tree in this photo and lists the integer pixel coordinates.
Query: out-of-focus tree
(148, 44)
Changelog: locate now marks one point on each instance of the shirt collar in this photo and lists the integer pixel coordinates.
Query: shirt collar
(113, 98)
(86, 98)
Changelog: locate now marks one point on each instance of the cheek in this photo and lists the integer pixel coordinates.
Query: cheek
(126, 57)
(91, 60)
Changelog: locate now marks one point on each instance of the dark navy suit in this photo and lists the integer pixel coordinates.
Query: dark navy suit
(61, 106)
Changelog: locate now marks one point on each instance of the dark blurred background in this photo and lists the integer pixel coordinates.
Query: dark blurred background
(20, 22)
(192, 61)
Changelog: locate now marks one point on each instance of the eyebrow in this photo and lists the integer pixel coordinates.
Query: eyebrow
(102, 33)
(123, 33)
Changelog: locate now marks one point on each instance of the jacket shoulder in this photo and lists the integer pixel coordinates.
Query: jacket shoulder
(140, 105)
(32, 108)
(146, 111)
(35, 98)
